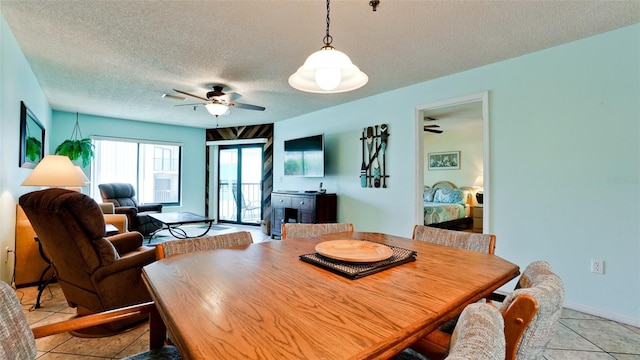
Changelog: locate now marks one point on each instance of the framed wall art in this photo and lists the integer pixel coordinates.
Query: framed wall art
(449, 160)
(31, 138)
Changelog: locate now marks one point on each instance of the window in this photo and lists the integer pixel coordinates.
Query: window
(153, 168)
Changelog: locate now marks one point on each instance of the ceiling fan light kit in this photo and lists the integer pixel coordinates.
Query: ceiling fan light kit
(328, 71)
(216, 109)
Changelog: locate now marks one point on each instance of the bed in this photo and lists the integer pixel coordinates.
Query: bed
(448, 207)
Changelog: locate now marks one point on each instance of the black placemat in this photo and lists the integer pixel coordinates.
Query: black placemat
(354, 270)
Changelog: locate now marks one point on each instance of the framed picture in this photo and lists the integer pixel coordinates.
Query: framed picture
(31, 138)
(449, 160)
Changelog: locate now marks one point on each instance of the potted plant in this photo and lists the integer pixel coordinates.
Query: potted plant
(77, 147)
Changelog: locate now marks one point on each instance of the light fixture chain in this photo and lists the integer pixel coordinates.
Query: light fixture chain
(328, 39)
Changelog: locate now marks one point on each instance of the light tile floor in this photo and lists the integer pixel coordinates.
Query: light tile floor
(578, 335)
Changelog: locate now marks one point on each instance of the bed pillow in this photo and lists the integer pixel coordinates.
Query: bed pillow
(428, 194)
(449, 196)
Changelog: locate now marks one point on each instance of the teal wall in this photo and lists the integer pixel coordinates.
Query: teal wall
(564, 126)
(192, 140)
(17, 83)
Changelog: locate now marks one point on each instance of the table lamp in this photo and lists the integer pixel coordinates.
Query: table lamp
(479, 183)
(56, 171)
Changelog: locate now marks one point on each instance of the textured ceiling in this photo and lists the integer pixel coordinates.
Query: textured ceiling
(117, 58)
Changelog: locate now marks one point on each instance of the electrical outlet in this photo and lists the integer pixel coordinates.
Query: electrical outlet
(6, 256)
(597, 266)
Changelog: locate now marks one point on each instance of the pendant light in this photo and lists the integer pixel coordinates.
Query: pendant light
(328, 70)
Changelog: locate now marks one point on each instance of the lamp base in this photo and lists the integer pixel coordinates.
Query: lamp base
(479, 197)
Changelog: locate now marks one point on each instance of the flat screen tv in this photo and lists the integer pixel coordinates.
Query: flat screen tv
(304, 156)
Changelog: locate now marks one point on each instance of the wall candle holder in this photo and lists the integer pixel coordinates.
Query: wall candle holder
(374, 148)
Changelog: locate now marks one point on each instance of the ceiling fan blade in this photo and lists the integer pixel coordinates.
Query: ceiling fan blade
(431, 126)
(429, 118)
(246, 106)
(433, 131)
(173, 97)
(191, 104)
(189, 94)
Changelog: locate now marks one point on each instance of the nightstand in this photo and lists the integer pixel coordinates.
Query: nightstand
(477, 218)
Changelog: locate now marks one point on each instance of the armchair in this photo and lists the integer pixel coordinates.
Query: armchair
(122, 196)
(96, 273)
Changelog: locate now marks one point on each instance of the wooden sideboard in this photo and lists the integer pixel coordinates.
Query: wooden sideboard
(302, 207)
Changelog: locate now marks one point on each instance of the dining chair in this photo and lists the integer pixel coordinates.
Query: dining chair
(485, 243)
(175, 247)
(530, 314)
(479, 335)
(18, 339)
(295, 230)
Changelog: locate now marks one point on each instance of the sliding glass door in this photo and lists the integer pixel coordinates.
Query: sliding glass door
(240, 183)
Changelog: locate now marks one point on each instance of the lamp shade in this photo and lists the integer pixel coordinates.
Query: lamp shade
(328, 71)
(479, 182)
(216, 108)
(81, 173)
(55, 171)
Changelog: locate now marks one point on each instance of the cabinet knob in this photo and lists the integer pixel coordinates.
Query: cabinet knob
(302, 202)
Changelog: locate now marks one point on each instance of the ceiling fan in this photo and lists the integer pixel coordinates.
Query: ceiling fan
(432, 128)
(218, 102)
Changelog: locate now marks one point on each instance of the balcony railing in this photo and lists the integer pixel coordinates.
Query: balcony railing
(250, 200)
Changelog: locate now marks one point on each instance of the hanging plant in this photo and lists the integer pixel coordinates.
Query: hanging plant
(77, 147)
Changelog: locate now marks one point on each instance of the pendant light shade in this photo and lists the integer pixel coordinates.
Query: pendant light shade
(216, 109)
(328, 70)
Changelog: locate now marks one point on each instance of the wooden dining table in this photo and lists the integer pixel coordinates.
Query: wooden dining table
(260, 301)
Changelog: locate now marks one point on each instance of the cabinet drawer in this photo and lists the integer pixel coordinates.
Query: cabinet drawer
(477, 212)
(280, 201)
(303, 202)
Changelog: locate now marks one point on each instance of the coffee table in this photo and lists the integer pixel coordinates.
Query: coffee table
(173, 221)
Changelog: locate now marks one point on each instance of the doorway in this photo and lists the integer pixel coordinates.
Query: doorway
(478, 104)
(240, 183)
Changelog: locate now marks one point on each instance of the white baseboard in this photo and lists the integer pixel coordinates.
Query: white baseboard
(603, 313)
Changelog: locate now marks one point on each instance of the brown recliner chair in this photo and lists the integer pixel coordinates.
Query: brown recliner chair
(96, 273)
(122, 195)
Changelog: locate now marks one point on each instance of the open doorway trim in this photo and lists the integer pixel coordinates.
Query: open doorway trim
(482, 97)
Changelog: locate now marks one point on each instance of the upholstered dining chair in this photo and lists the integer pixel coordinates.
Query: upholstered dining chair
(485, 243)
(96, 273)
(18, 339)
(174, 247)
(530, 314)
(538, 296)
(295, 230)
(123, 197)
(479, 335)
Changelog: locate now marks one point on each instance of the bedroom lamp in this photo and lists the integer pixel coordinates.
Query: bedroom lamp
(56, 171)
(328, 71)
(479, 183)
